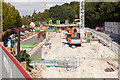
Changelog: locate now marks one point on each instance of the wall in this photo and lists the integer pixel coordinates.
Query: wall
(111, 44)
(113, 27)
(0, 63)
(11, 68)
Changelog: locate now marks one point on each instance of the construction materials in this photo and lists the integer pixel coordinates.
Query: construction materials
(37, 29)
(53, 30)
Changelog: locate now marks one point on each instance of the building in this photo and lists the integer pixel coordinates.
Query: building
(113, 29)
(23, 26)
(32, 24)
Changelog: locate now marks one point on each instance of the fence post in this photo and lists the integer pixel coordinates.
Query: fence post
(67, 65)
(54, 62)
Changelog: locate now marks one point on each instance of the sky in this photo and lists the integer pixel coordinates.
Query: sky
(27, 7)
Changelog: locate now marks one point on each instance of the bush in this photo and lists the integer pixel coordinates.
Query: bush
(24, 57)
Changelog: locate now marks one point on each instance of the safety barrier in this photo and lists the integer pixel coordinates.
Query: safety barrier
(27, 47)
(11, 68)
(68, 63)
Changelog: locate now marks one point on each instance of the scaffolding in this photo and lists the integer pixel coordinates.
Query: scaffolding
(82, 18)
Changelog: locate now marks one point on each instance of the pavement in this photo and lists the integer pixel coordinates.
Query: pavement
(36, 53)
(31, 40)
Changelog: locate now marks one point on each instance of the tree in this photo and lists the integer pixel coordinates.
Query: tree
(34, 16)
(11, 17)
(68, 14)
(37, 24)
(96, 13)
(40, 16)
(110, 11)
(75, 6)
(62, 13)
(45, 15)
(26, 21)
(92, 14)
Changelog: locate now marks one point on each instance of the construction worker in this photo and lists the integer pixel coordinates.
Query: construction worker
(10, 46)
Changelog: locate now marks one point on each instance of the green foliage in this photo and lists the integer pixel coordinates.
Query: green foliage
(35, 16)
(40, 16)
(75, 6)
(96, 13)
(11, 16)
(63, 12)
(24, 57)
(45, 15)
(37, 24)
(26, 20)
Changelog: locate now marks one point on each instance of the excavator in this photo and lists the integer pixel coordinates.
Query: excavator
(72, 40)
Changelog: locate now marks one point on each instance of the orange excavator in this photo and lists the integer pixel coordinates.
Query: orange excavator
(71, 39)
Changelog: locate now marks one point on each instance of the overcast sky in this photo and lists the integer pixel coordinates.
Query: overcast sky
(27, 7)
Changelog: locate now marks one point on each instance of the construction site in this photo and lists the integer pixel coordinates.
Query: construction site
(67, 50)
(92, 59)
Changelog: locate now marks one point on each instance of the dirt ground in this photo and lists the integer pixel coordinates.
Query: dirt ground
(94, 59)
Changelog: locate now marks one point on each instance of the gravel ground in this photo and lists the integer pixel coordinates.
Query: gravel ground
(93, 58)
